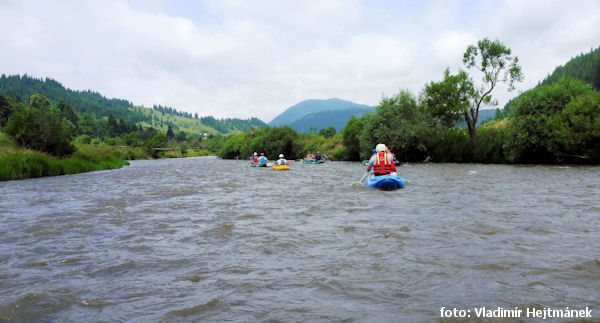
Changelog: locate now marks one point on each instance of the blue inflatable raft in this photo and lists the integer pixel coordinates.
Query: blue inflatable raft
(386, 182)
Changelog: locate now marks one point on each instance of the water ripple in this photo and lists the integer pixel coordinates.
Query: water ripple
(206, 239)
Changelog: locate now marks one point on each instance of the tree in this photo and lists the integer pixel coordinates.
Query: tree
(400, 123)
(6, 109)
(181, 136)
(42, 127)
(350, 134)
(493, 59)
(556, 122)
(170, 134)
(158, 141)
(328, 132)
(113, 126)
(448, 101)
(67, 111)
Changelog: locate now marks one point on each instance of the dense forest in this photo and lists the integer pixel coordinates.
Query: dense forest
(585, 67)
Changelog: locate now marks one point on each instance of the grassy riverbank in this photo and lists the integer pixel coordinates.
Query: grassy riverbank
(18, 163)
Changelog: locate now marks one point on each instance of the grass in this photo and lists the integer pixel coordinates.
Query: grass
(17, 163)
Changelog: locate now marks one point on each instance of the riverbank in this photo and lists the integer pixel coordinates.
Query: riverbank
(18, 163)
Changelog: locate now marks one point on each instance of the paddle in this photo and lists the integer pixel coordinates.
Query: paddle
(360, 182)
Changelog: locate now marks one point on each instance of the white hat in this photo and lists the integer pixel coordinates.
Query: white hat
(380, 147)
(280, 155)
(255, 153)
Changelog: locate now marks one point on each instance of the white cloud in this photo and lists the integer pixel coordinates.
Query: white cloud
(256, 58)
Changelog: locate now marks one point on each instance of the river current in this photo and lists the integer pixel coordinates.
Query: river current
(205, 239)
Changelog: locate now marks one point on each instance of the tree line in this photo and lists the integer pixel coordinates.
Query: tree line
(556, 122)
(92, 106)
(53, 128)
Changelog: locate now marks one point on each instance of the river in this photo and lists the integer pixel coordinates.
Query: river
(204, 239)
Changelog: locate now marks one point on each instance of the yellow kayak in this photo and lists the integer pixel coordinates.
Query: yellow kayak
(281, 167)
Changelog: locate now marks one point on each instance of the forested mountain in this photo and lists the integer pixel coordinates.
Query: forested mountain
(306, 107)
(92, 105)
(320, 120)
(585, 67)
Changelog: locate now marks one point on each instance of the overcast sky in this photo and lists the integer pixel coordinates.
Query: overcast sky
(257, 58)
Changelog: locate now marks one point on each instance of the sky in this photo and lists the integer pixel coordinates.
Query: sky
(255, 58)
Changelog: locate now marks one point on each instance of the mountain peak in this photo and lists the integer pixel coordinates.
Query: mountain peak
(303, 108)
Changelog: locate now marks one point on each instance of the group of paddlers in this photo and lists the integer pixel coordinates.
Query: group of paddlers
(262, 159)
(382, 161)
(313, 158)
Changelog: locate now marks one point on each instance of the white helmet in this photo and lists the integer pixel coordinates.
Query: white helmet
(280, 155)
(255, 153)
(380, 147)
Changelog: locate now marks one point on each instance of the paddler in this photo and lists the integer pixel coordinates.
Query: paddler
(382, 162)
(309, 156)
(262, 159)
(281, 161)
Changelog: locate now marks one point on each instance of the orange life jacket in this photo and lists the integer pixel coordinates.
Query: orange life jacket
(382, 166)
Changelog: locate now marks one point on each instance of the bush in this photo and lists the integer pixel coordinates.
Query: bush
(555, 123)
(41, 127)
(83, 140)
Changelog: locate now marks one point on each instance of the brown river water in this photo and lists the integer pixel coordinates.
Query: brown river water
(204, 239)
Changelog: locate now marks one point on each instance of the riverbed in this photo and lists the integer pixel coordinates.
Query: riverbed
(199, 239)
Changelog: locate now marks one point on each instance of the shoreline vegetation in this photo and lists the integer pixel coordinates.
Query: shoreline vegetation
(556, 122)
(18, 163)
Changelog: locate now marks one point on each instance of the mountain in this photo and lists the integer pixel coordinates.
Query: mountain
(94, 105)
(298, 111)
(335, 118)
(585, 67)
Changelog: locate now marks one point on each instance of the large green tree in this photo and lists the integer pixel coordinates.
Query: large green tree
(493, 60)
(402, 124)
(449, 100)
(457, 97)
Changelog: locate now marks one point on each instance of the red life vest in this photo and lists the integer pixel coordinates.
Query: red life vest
(382, 166)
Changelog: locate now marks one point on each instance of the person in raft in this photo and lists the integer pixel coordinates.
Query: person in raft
(382, 163)
(262, 159)
(281, 161)
(254, 158)
(309, 156)
(318, 156)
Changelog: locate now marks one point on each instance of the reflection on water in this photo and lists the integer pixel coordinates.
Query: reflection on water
(209, 239)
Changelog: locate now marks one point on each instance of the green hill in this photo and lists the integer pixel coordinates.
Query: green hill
(585, 67)
(89, 104)
(306, 107)
(335, 118)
